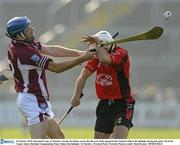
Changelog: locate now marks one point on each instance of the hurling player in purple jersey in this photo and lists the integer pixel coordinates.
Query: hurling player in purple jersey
(28, 64)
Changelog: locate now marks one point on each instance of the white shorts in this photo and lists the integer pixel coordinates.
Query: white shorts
(28, 106)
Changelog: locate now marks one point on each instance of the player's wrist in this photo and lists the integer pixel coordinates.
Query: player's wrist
(82, 58)
(80, 53)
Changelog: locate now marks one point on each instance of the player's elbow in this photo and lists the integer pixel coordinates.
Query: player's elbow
(53, 67)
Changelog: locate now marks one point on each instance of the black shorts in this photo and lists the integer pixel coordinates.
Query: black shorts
(111, 113)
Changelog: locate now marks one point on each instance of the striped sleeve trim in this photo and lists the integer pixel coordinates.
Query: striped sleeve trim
(42, 62)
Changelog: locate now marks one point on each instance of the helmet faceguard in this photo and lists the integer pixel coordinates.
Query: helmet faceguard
(17, 25)
(105, 37)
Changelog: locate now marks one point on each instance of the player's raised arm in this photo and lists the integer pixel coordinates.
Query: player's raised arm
(60, 51)
(103, 55)
(66, 65)
(102, 51)
(99, 39)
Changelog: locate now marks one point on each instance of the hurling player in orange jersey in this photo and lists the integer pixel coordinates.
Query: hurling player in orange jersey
(115, 109)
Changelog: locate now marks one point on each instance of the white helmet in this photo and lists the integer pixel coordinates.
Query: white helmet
(105, 37)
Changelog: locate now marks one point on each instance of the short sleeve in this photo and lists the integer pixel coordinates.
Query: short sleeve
(118, 56)
(32, 58)
(92, 65)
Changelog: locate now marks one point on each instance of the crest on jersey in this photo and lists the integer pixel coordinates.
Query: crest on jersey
(35, 57)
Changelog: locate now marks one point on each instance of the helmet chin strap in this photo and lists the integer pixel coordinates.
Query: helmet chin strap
(113, 45)
(22, 34)
(111, 48)
(28, 41)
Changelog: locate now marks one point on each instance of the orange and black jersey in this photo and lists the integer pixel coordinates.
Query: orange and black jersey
(112, 80)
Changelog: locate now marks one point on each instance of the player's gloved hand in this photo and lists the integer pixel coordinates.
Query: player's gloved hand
(75, 101)
(80, 53)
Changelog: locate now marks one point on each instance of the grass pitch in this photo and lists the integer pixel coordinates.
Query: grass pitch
(83, 133)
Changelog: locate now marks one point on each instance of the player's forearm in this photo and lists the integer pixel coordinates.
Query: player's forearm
(79, 86)
(103, 55)
(60, 51)
(64, 66)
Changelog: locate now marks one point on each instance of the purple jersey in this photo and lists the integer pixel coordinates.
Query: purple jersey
(29, 68)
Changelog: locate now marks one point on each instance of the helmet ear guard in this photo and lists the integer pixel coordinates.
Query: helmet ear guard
(17, 25)
(14, 37)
